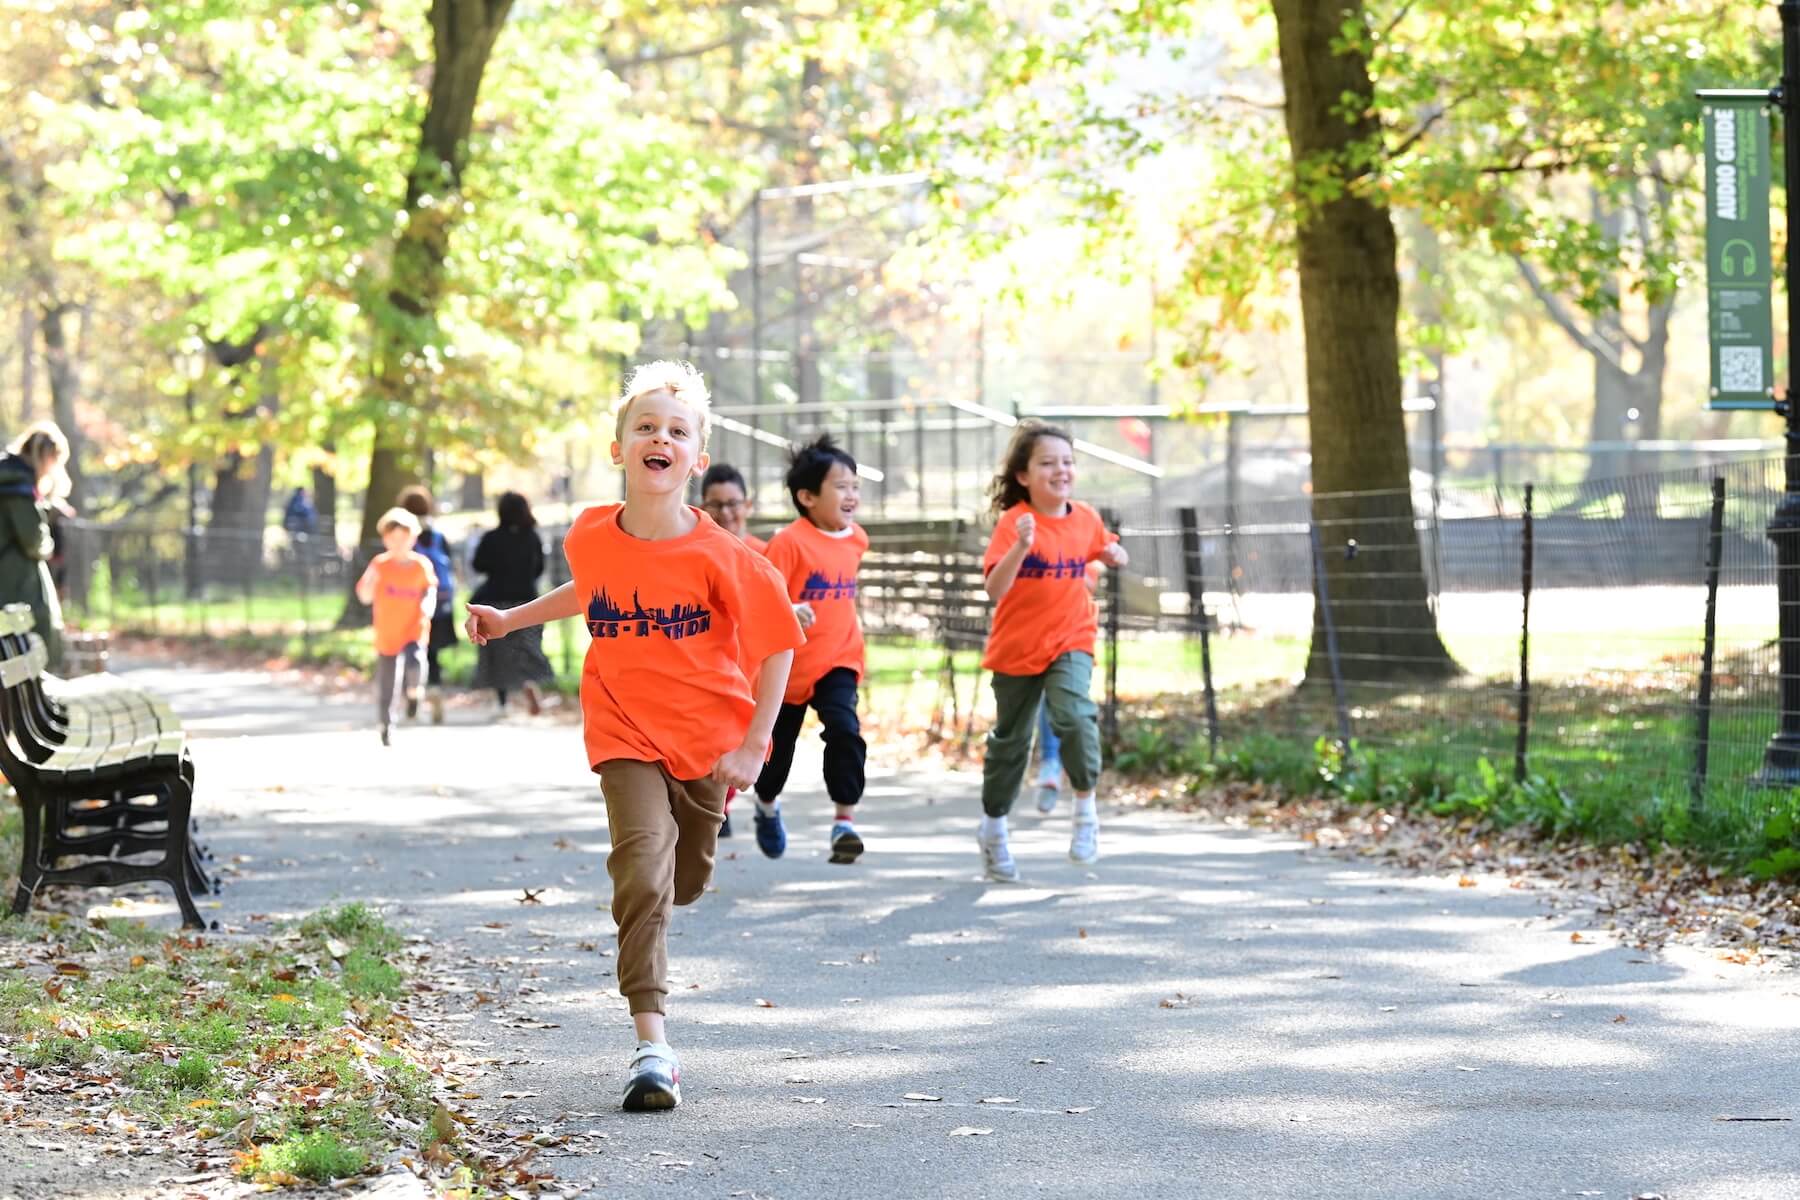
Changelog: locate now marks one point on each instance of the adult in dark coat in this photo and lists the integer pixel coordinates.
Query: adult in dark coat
(511, 557)
(33, 479)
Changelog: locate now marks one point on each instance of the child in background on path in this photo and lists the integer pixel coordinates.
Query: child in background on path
(727, 501)
(1041, 642)
(436, 548)
(819, 555)
(675, 606)
(400, 588)
(725, 498)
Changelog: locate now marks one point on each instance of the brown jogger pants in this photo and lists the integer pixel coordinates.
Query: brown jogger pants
(664, 834)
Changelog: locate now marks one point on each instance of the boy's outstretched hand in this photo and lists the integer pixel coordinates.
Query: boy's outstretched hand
(484, 624)
(803, 613)
(739, 768)
(1114, 556)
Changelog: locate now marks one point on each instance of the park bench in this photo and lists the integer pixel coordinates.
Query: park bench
(101, 772)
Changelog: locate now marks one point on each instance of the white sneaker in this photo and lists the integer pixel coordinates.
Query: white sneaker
(1084, 842)
(655, 1081)
(997, 859)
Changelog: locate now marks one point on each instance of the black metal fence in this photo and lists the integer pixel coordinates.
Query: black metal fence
(1617, 637)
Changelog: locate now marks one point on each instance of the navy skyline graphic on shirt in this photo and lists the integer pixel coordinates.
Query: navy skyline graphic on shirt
(818, 587)
(1035, 567)
(606, 619)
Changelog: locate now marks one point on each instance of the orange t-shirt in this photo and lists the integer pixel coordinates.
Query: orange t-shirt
(662, 680)
(401, 584)
(1048, 611)
(820, 570)
(756, 543)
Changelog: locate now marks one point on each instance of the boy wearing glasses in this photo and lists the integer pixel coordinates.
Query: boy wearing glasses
(726, 500)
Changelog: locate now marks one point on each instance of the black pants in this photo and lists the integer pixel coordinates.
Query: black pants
(834, 699)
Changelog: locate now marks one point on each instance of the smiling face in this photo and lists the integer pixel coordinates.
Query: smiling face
(1049, 474)
(659, 445)
(834, 504)
(727, 504)
(398, 539)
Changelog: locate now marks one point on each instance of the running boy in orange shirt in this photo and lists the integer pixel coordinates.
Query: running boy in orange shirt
(818, 555)
(400, 587)
(673, 604)
(1041, 642)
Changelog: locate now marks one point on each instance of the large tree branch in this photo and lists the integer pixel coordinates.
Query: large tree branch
(618, 66)
(1565, 320)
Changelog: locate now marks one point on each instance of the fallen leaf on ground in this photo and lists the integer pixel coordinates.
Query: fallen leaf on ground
(1176, 1001)
(919, 1096)
(761, 1003)
(1620, 1019)
(1576, 937)
(1083, 1108)
(1465, 881)
(969, 1131)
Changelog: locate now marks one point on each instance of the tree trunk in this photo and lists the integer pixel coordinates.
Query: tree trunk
(65, 391)
(1350, 304)
(472, 495)
(463, 35)
(27, 365)
(325, 501)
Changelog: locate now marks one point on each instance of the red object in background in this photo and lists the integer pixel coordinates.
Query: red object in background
(1136, 432)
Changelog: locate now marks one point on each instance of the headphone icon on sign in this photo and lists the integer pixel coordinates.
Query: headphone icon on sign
(1737, 257)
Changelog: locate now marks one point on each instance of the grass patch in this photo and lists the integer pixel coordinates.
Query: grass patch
(292, 1039)
(1603, 767)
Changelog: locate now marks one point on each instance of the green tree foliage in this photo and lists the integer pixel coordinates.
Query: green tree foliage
(1293, 152)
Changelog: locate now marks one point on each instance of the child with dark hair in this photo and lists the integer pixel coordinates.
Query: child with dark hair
(725, 498)
(1041, 643)
(819, 555)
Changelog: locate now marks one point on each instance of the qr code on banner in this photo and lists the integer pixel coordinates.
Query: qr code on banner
(1740, 369)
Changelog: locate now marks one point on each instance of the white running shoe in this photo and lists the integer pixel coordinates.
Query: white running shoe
(655, 1081)
(1084, 842)
(997, 859)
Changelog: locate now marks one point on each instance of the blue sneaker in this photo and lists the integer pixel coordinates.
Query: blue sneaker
(771, 835)
(845, 844)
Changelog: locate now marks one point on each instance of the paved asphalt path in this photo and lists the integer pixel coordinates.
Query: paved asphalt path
(1229, 1016)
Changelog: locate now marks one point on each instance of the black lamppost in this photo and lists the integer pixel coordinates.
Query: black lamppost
(1781, 760)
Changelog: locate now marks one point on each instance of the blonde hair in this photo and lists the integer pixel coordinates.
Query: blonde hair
(36, 446)
(397, 518)
(682, 379)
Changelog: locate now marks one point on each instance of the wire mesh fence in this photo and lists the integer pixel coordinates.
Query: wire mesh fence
(1616, 637)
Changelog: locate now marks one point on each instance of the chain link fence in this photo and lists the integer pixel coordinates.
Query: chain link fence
(1616, 638)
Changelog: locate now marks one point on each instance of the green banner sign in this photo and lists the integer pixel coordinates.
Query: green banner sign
(1739, 270)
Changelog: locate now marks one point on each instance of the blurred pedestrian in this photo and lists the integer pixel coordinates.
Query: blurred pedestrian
(300, 517)
(511, 557)
(436, 548)
(34, 481)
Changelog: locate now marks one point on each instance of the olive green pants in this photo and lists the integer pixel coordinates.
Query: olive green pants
(1074, 717)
